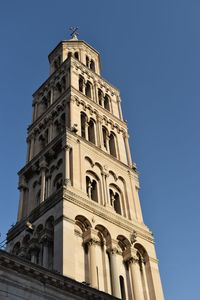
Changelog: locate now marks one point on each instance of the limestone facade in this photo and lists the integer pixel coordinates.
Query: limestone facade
(79, 209)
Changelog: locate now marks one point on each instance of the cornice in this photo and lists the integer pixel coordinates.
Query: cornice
(35, 214)
(44, 115)
(11, 263)
(99, 210)
(78, 64)
(97, 108)
(47, 82)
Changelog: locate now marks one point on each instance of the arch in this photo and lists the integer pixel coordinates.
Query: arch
(91, 131)
(58, 181)
(92, 186)
(88, 89)
(49, 224)
(81, 83)
(76, 55)
(87, 61)
(89, 160)
(105, 233)
(83, 222)
(115, 198)
(83, 124)
(100, 97)
(69, 54)
(92, 65)
(25, 240)
(123, 242)
(105, 137)
(16, 248)
(112, 144)
(107, 102)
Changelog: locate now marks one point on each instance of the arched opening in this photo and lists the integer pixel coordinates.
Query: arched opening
(92, 65)
(16, 249)
(83, 125)
(91, 131)
(81, 83)
(115, 200)
(69, 54)
(122, 287)
(100, 97)
(87, 60)
(112, 145)
(88, 90)
(91, 188)
(58, 89)
(105, 137)
(76, 55)
(107, 102)
(48, 247)
(58, 181)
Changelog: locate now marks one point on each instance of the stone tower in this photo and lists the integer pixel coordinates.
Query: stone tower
(79, 210)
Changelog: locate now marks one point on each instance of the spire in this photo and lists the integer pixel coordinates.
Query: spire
(74, 34)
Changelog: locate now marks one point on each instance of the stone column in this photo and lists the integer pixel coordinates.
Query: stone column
(114, 273)
(86, 130)
(127, 147)
(51, 94)
(67, 180)
(99, 132)
(50, 137)
(119, 107)
(43, 166)
(22, 188)
(93, 270)
(136, 278)
(145, 279)
(31, 146)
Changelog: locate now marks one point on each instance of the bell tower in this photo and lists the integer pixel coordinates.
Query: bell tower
(79, 209)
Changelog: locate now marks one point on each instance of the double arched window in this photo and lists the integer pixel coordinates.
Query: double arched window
(109, 141)
(88, 128)
(115, 199)
(92, 187)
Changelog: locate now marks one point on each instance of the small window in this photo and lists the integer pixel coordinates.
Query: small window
(81, 83)
(92, 65)
(107, 102)
(91, 132)
(87, 61)
(76, 55)
(100, 97)
(112, 145)
(88, 91)
(105, 137)
(83, 125)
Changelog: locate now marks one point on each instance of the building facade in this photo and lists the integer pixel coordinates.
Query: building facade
(79, 210)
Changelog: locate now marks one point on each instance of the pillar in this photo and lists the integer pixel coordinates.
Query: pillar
(128, 153)
(67, 164)
(136, 278)
(43, 180)
(114, 274)
(22, 188)
(93, 270)
(99, 132)
(146, 289)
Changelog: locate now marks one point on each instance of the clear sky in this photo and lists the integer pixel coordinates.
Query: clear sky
(151, 51)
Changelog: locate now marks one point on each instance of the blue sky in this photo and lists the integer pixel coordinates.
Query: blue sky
(151, 51)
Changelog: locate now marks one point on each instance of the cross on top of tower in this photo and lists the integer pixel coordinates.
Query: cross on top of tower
(74, 34)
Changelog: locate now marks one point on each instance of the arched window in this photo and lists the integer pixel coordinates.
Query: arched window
(76, 55)
(122, 288)
(63, 83)
(91, 188)
(81, 83)
(112, 145)
(69, 54)
(115, 201)
(107, 102)
(58, 181)
(87, 61)
(92, 65)
(105, 137)
(91, 131)
(16, 248)
(83, 125)
(100, 97)
(88, 90)
(38, 195)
